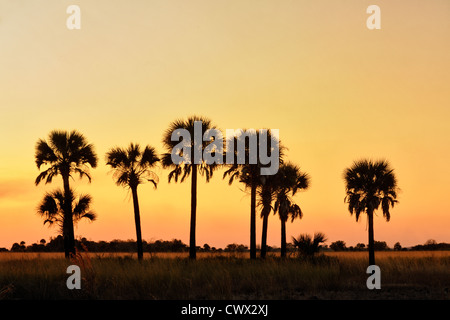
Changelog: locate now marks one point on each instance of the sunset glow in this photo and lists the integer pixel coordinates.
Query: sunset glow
(336, 91)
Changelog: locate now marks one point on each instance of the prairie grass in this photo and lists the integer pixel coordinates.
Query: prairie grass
(342, 275)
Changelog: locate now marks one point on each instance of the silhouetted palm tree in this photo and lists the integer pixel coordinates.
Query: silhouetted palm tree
(369, 185)
(248, 174)
(266, 195)
(289, 180)
(65, 153)
(52, 208)
(189, 167)
(267, 189)
(308, 246)
(131, 168)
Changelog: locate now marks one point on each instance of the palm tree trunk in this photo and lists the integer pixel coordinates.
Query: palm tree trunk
(192, 248)
(253, 222)
(68, 232)
(137, 220)
(264, 235)
(371, 238)
(283, 238)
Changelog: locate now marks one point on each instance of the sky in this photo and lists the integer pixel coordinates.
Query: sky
(336, 90)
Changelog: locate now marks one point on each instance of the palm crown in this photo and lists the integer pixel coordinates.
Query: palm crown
(290, 180)
(183, 170)
(132, 166)
(52, 206)
(65, 153)
(369, 185)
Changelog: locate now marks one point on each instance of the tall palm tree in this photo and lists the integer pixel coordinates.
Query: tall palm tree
(131, 168)
(188, 167)
(248, 174)
(266, 195)
(51, 208)
(267, 191)
(289, 180)
(65, 153)
(368, 185)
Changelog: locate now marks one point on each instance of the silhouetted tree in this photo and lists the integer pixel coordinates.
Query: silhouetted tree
(307, 245)
(380, 246)
(289, 179)
(189, 166)
(16, 247)
(131, 168)
(267, 190)
(338, 245)
(369, 185)
(248, 173)
(52, 206)
(65, 153)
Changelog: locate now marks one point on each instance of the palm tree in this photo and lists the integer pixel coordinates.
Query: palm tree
(131, 168)
(267, 191)
(52, 208)
(369, 185)
(65, 153)
(289, 179)
(187, 167)
(266, 195)
(308, 246)
(249, 175)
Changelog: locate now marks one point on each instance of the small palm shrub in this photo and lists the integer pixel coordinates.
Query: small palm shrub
(308, 246)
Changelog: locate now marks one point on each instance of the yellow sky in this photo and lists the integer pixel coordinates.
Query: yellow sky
(336, 90)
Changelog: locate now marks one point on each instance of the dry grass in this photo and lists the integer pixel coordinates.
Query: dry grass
(405, 275)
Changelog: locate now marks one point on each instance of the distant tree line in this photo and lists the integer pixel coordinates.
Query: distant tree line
(432, 245)
(382, 246)
(56, 244)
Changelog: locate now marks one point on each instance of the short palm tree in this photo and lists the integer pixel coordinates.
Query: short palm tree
(308, 246)
(52, 208)
(289, 180)
(368, 185)
(131, 168)
(65, 153)
(187, 167)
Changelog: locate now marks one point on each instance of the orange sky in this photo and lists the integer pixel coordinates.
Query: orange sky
(336, 90)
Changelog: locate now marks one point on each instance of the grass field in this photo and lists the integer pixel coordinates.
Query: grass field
(340, 275)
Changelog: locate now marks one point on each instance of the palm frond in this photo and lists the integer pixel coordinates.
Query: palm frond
(368, 185)
(64, 153)
(131, 165)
